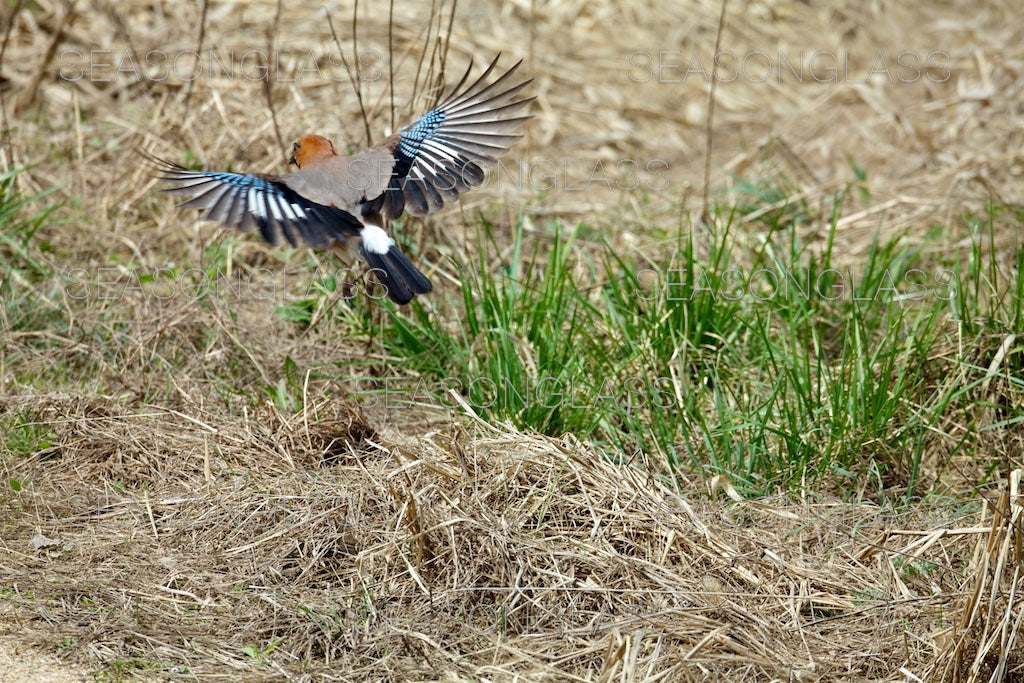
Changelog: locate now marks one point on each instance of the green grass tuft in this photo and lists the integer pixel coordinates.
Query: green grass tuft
(773, 367)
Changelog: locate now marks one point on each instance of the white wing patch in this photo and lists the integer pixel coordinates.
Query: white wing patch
(254, 204)
(375, 240)
(257, 202)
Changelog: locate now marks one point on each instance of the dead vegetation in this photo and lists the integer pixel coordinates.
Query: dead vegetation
(165, 527)
(318, 546)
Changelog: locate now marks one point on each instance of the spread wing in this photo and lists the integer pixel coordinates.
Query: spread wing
(258, 202)
(443, 153)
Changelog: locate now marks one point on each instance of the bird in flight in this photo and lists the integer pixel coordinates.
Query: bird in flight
(334, 198)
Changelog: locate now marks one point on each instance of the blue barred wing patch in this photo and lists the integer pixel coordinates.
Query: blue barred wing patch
(413, 136)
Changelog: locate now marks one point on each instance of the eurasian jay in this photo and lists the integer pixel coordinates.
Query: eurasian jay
(348, 199)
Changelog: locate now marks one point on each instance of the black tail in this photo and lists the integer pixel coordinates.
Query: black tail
(397, 274)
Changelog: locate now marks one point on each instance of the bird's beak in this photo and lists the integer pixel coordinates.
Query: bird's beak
(291, 160)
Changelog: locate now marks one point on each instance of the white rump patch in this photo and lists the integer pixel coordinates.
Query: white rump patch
(375, 240)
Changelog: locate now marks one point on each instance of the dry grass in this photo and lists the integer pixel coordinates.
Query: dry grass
(171, 528)
(479, 554)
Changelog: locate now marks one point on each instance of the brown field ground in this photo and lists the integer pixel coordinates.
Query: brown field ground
(173, 531)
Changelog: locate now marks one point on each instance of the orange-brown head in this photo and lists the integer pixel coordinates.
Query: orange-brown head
(311, 148)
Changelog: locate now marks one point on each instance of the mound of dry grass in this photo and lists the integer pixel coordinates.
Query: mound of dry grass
(169, 541)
